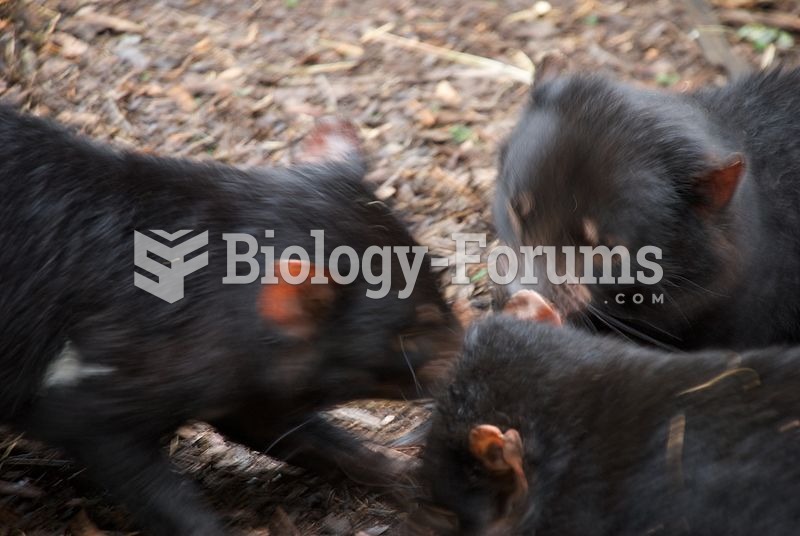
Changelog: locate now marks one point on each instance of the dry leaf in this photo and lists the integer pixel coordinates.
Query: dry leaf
(182, 98)
(426, 118)
(202, 47)
(70, 46)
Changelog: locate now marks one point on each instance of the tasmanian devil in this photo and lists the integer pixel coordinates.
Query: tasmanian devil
(710, 178)
(555, 431)
(94, 364)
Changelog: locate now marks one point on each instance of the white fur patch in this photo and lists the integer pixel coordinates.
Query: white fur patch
(68, 369)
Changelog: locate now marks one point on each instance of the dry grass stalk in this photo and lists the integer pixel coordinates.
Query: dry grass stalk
(492, 67)
(756, 380)
(675, 439)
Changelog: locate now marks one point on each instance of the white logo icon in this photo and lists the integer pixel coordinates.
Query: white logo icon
(167, 275)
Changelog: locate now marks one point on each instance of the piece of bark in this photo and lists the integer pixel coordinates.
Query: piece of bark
(712, 40)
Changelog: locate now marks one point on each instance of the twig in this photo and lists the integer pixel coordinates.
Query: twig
(313, 69)
(35, 462)
(103, 21)
(342, 47)
(491, 66)
(320, 68)
(26, 491)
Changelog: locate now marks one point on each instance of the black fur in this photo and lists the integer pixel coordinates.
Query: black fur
(68, 210)
(595, 415)
(632, 161)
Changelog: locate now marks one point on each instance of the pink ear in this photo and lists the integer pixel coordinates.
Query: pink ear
(332, 139)
(718, 186)
(296, 309)
(502, 454)
(530, 305)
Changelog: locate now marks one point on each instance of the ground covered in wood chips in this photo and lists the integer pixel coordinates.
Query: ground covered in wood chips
(433, 87)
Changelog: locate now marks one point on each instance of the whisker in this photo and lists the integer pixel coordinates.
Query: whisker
(410, 367)
(697, 286)
(586, 322)
(618, 325)
(285, 434)
(675, 304)
(649, 324)
(597, 315)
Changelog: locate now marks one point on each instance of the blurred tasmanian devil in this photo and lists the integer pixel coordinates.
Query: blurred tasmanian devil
(710, 178)
(547, 431)
(105, 370)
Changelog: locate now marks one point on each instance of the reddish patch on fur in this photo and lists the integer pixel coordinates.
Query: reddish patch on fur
(295, 308)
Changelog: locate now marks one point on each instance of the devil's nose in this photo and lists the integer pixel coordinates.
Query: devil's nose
(530, 305)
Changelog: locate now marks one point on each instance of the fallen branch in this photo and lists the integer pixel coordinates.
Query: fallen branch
(491, 66)
(784, 21)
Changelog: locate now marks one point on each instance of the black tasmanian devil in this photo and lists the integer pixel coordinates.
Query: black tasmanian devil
(96, 365)
(711, 178)
(554, 431)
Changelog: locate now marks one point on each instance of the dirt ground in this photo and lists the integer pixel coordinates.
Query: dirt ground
(241, 82)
